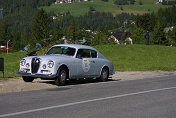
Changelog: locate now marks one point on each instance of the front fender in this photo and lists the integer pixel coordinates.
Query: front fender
(58, 66)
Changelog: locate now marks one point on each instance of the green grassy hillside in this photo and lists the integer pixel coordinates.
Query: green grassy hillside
(124, 58)
(140, 57)
(80, 8)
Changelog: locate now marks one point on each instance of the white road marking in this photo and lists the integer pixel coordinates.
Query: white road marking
(82, 102)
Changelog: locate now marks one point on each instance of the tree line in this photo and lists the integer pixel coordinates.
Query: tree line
(16, 24)
(157, 24)
(94, 26)
(44, 29)
(18, 14)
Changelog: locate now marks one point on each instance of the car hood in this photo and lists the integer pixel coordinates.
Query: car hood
(49, 57)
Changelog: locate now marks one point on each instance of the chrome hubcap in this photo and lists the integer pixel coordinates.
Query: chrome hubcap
(63, 76)
(105, 74)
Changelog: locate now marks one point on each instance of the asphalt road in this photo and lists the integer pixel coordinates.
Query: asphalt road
(146, 98)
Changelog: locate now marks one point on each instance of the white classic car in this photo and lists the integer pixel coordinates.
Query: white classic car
(66, 61)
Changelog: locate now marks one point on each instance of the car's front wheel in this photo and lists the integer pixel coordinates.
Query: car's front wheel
(28, 79)
(61, 77)
(104, 75)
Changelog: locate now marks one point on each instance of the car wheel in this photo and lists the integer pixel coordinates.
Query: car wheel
(104, 75)
(61, 77)
(28, 79)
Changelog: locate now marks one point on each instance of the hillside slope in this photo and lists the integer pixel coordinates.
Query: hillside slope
(80, 8)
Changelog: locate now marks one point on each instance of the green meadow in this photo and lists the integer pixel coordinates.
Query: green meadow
(123, 57)
(11, 64)
(140, 57)
(81, 8)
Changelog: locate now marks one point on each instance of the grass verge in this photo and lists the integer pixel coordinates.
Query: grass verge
(11, 64)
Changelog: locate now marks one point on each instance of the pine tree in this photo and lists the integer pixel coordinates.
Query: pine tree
(171, 38)
(5, 32)
(99, 38)
(58, 33)
(74, 32)
(140, 2)
(158, 34)
(41, 26)
(138, 36)
(146, 21)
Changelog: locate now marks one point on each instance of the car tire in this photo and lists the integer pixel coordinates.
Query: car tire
(61, 77)
(104, 75)
(28, 79)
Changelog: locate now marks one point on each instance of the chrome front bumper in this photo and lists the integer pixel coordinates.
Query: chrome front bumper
(37, 75)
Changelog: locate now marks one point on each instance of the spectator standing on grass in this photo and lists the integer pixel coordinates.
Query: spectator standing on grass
(147, 37)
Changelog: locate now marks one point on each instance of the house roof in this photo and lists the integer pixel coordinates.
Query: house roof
(118, 35)
(3, 42)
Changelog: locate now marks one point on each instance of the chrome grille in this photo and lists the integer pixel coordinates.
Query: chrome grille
(35, 64)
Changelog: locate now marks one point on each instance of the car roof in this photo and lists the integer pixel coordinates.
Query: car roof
(77, 46)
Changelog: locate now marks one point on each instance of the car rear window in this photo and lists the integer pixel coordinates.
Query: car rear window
(86, 53)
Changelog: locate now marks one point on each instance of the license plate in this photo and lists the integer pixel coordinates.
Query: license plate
(23, 70)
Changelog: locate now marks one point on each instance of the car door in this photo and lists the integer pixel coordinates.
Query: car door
(95, 63)
(86, 63)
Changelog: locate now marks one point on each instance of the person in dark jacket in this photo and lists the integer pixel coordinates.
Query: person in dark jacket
(147, 37)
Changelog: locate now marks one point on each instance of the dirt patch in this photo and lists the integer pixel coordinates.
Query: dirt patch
(16, 85)
(133, 75)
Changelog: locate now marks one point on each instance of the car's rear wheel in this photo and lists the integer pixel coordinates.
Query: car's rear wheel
(61, 76)
(104, 75)
(28, 79)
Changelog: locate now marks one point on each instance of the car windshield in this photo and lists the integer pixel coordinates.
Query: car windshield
(62, 50)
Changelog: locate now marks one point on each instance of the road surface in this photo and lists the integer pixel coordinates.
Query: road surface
(145, 98)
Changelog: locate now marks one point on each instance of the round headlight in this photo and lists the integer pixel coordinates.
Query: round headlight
(44, 66)
(27, 65)
(50, 64)
(22, 62)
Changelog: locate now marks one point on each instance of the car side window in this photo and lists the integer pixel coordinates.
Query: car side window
(70, 51)
(93, 54)
(83, 53)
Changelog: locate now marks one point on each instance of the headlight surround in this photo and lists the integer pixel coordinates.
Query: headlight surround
(44, 66)
(27, 65)
(22, 62)
(50, 64)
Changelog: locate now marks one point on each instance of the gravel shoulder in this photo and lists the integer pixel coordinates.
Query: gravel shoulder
(17, 85)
